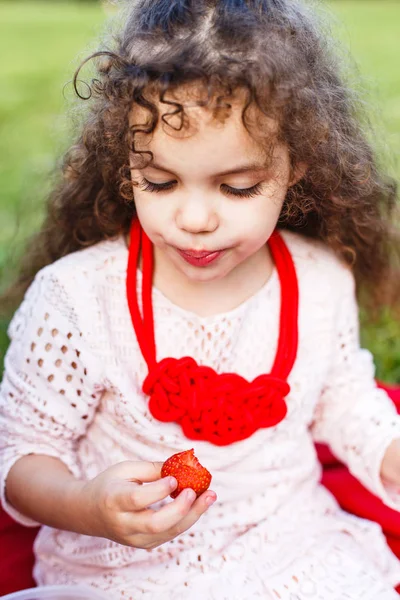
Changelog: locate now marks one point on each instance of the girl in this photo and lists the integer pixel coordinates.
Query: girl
(202, 250)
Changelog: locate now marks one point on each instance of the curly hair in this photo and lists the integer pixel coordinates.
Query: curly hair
(275, 51)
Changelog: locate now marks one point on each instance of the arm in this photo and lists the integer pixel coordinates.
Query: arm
(52, 381)
(355, 418)
(114, 505)
(48, 398)
(43, 489)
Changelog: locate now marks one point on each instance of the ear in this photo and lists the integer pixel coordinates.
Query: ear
(298, 173)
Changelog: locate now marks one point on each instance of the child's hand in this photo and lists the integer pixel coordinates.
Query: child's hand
(116, 505)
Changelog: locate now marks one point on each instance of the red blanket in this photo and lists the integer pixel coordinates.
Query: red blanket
(16, 556)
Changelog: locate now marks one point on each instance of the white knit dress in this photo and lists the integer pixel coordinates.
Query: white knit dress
(72, 389)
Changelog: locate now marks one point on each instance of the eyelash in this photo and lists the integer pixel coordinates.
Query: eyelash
(148, 186)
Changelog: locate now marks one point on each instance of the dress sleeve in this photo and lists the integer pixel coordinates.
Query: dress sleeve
(354, 417)
(52, 381)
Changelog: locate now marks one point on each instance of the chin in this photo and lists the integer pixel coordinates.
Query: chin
(203, 275)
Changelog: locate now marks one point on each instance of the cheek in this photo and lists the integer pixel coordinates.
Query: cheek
(257, 219)
(147, 217)
(141, 209)
(149, 210)
(154, 216)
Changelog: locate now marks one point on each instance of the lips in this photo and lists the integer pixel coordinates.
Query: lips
(198, 253)
(201, 258)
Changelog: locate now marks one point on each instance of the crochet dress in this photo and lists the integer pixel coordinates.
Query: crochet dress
(72, 389)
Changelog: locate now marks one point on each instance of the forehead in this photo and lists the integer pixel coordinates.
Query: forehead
(191, 110)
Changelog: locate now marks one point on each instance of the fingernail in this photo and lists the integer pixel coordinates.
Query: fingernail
(172, 482)
(210, 500)
(189, 494)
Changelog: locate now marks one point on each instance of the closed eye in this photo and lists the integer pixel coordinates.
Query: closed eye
(149, 186)
(250, 192)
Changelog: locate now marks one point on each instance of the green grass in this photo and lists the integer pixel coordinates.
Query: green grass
(41, 44)
(370, 29)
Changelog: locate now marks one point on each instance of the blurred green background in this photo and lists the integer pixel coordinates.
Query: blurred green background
(41, 43)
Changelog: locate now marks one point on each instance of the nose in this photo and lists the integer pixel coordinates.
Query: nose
(196, 214)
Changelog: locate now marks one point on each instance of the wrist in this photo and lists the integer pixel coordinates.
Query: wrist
(78, 507)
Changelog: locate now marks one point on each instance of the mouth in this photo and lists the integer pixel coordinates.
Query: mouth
(201, 258)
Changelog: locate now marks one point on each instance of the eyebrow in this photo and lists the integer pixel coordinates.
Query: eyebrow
(234, 171)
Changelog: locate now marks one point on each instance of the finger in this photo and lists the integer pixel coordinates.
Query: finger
(197, 509)
(138, 471)
(135, 497)
(171, 515)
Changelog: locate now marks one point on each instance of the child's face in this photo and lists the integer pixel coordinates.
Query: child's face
(207, 202)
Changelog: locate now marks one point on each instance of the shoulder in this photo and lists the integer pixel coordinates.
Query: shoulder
(318, 266)
(71, 286)
(91, 264)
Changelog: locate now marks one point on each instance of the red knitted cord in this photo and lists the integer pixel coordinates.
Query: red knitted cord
(219, 408)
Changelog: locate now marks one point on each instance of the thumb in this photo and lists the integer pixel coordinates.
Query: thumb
(138, 471)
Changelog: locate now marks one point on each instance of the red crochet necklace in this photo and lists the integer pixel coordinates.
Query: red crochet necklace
(218, 408)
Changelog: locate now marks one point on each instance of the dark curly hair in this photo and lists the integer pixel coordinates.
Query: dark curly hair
(273, 50)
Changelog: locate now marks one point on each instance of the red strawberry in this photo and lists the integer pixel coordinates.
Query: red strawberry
(187, 470)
